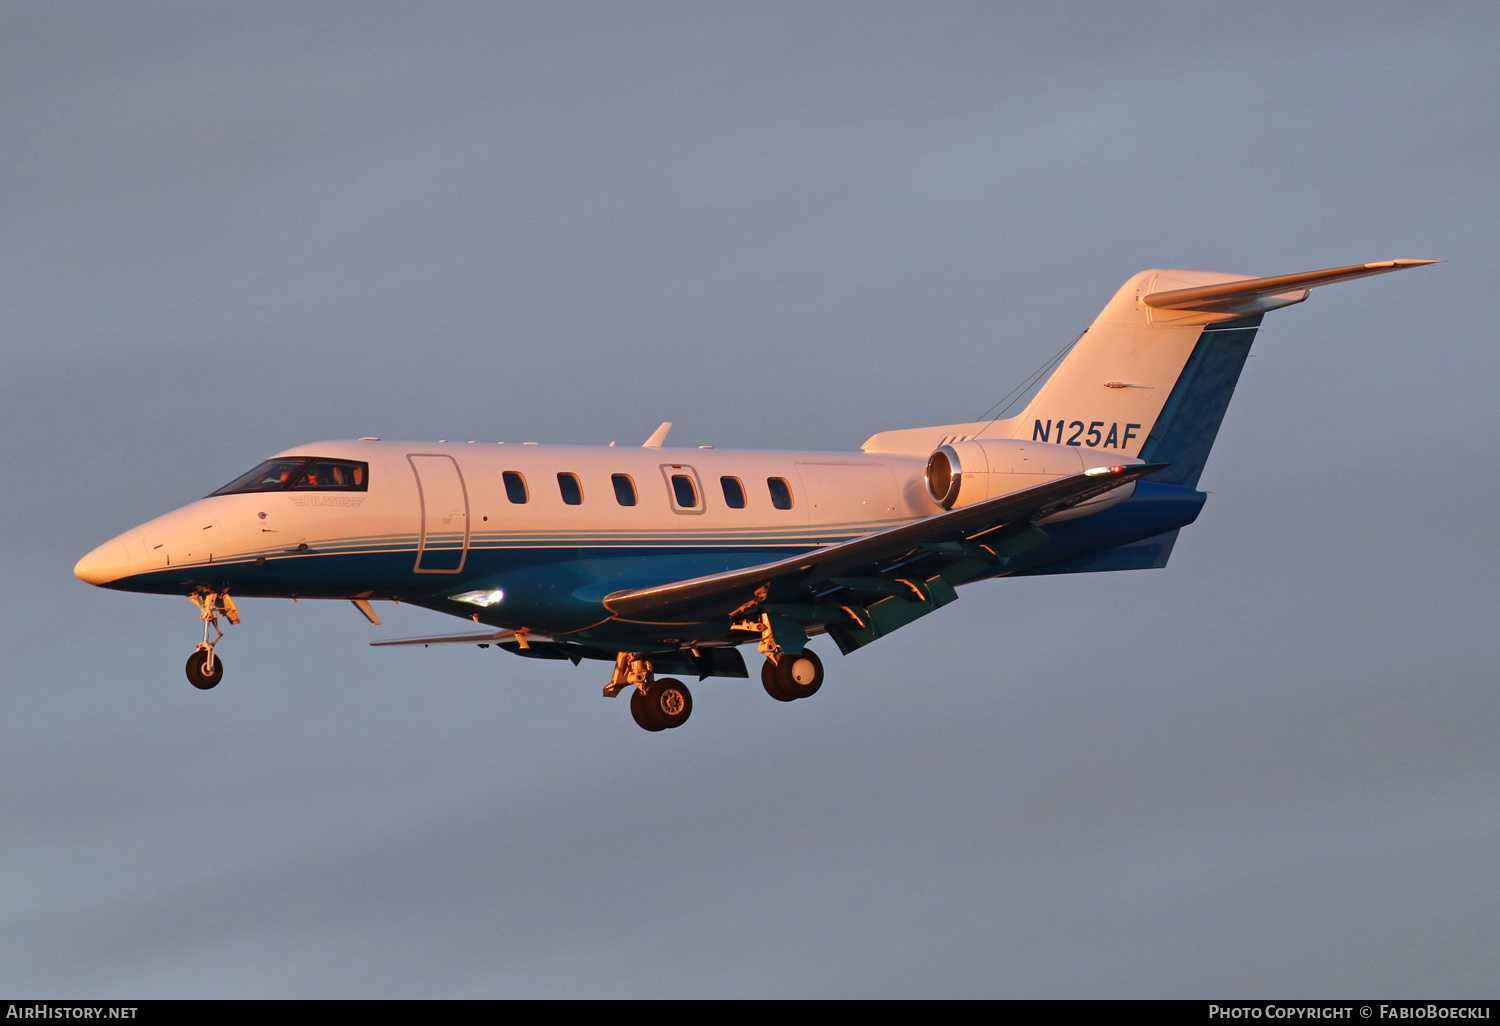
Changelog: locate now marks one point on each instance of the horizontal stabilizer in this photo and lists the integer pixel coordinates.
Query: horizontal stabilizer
(1247, 295)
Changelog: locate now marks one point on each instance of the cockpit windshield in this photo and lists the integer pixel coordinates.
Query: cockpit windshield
(302, 473)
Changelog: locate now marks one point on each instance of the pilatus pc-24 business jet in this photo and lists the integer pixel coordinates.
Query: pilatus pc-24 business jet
(665, 561)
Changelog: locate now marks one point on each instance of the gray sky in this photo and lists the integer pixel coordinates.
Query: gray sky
(1269, 769)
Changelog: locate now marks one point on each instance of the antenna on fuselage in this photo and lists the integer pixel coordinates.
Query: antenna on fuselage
(658, 436)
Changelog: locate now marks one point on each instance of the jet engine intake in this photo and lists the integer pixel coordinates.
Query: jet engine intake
(944, 476)
(961, 473)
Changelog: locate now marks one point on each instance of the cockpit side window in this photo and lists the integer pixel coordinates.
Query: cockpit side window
(303, 474)
(332, 475)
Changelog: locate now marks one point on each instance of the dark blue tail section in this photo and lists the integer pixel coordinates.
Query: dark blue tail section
(1189, 422)
(1135, 535)
(1182, 437)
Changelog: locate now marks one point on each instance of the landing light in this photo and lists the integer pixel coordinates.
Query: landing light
(484, 599)
(1101, 471)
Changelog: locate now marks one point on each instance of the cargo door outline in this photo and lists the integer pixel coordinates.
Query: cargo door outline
(442, 495)
(859, 496)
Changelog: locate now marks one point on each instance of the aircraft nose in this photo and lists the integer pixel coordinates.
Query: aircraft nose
(109, 562)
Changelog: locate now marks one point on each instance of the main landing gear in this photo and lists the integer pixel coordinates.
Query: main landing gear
(663, 704)
(204, 668)
(654, 704)
(787, 678)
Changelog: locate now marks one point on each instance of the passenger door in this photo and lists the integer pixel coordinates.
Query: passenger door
(443, 543)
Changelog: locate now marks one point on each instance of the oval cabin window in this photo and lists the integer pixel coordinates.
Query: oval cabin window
(781, 492)
(684, 491)
(734, 492)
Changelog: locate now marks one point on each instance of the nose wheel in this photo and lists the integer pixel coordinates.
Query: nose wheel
(792, 676)
(204, 668)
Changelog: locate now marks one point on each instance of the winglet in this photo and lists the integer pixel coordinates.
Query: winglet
(658, 436)
(1253, 295)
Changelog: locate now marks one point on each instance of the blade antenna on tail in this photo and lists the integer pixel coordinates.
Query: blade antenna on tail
(1026, 386)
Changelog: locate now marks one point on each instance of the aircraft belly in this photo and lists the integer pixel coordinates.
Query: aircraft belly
(563, 590)
(1153, 510)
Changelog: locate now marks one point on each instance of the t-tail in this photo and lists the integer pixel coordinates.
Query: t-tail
(1152, 376)
(1149, 380)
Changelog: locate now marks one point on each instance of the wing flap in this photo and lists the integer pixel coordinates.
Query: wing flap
(725, 593)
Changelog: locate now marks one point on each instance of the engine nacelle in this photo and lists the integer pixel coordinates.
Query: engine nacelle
(963, 473)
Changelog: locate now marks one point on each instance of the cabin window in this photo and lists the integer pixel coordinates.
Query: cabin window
(515, 487)
(304, 473)
(684, 491)
(734, 492)
(781, 492)
(624, 489)
(572, 491)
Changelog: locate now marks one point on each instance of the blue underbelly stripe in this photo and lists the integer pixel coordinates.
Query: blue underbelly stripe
(488, 542)
(696, 546)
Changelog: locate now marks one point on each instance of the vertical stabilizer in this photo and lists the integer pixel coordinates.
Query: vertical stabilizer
(1114, 386)
(1153, 375)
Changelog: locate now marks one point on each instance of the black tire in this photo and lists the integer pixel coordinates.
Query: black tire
(771, 681)
(796, 676)
(195, 667)
(641, 713)
(668, 702)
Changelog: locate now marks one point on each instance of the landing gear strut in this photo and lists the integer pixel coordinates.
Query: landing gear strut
(204, 668)
(787, 678)
(654, 704)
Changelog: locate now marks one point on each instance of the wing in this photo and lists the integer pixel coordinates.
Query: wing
(705, 662)
(471, 638)
(978, 538)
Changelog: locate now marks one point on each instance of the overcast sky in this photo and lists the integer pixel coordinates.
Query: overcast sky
(1269, 769)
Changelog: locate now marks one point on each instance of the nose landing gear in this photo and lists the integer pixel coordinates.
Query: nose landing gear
(204, 668)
